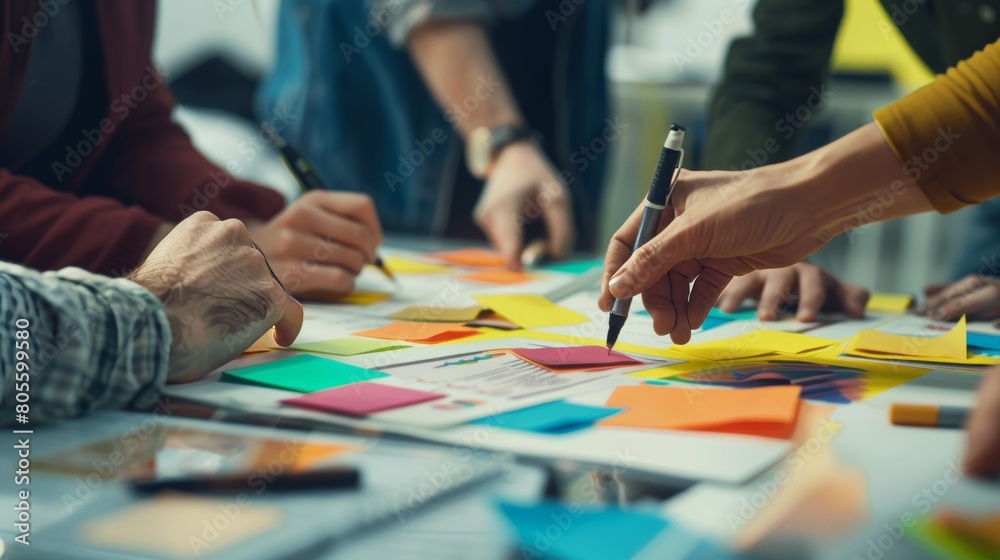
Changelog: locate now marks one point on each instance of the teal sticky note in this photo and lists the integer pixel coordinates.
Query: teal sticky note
(717, 313)
(552, 530)
(982, 341)
(305, 374)
(574, 267)
(557, 417)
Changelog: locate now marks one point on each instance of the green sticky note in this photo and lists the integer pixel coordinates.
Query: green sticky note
(348, 346)
(305, 374)
(573, 267)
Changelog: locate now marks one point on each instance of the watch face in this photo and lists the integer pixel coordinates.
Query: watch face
(479, 152)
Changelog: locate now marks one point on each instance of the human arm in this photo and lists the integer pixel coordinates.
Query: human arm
(456, 61)
(90, 342)
(773, 83)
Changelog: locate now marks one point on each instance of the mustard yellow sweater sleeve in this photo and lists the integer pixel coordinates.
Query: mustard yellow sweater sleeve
(947, 133)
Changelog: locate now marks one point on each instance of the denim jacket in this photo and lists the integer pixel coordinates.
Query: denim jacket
(360, 110)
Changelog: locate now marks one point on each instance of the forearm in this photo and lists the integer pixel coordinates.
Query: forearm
(850, 183)
(444, 52)
(93, 343)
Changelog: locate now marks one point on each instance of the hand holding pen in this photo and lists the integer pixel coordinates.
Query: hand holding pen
(320, 242)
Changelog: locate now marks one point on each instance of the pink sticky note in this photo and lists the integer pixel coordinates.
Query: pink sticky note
(575, 357)
(362, 399)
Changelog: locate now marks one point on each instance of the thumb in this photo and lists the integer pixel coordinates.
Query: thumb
(647, 265)
(290, 323)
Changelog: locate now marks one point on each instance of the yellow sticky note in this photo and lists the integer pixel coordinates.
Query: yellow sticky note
(889, 303)
(754, 344)
(497, 276)
(950, 345)
(432, 314)
(348, 346)
(174, 525)
(363, 297)
(402, 265)
(531, 310)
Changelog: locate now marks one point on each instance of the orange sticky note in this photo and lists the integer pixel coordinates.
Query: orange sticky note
(478, 258)
(766, 411)
(428, 333)
(498, 276)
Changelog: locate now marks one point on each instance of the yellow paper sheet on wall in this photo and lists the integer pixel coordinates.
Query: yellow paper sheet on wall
(531, 310)
(951, 345)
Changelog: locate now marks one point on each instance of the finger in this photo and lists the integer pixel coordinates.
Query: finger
(705, 292)
(289, 323)
(314, 281)
(932, 289)
(778, 291)
(957, 289)
(619, 250)
(812, 293)
(982, 455)
(741, 288)
(853, 299)
(651, 262)
(680, 290)
(335, 228)
(972, 304)
(358, 207)
(558, 219)
(504, 233)
(292, 245)
(659, 304)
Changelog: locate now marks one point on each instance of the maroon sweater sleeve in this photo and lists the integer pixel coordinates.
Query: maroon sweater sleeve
(48, 229)
(151, 161)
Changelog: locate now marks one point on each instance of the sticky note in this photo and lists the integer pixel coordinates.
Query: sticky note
(983, 341)
(951, 345)
(574, 357)
(362, 297)
(747, 315)
(589, 534)
(950, 536)
(401, 265)
(163, 525)
(362, 399)
(263, 344)
(574, 267)
(531, 310)
(754, 344)
(497, 276)
(764, 411)
(476, 258)
(435, 314)
(427, 333)
(347, 346)
(558, 417)
(889, 303)
(304, 374)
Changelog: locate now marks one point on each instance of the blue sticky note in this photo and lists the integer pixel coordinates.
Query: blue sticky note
(983, 341)
(717, 313)
(557, 417)
(305, 374)
(574, 267)
(552, 530)
(712, 322)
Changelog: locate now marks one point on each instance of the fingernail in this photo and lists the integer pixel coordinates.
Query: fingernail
(616, 286)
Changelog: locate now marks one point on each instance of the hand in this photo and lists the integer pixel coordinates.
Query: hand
(218, 293)
(809, 286)
(975, 296)
(320, 243)
(524, 187)
(725, 224)
(982, 454)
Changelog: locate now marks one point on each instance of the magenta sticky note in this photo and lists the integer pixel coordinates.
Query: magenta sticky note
(575, 357)
(362, 399)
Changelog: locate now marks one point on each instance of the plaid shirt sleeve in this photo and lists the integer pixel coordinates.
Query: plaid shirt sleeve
(94, 343)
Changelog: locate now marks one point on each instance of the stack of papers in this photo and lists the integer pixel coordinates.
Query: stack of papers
(755, 344)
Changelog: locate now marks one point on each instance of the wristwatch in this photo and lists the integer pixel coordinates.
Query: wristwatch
(484, 144)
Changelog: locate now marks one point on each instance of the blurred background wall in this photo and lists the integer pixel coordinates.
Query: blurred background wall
(231, 42)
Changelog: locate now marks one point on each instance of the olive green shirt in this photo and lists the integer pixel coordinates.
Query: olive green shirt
(781, 68)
